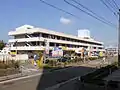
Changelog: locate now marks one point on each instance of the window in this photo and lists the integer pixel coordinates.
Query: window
(63, 38)
(28, 28)
(52, 37)
(35, 35)
(33, 43)
(58, 37)
(68, 39)
(45, 35)
(51, 44)
(63, 44)
(100, 48)
(43, 43)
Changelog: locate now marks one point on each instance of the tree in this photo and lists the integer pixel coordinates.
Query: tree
(2, 44)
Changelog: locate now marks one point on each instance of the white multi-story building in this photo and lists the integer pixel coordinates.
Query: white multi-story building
(28, 39)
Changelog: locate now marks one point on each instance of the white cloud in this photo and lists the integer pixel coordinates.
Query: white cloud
(65, 20)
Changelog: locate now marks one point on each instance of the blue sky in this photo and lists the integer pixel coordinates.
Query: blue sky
(15, 13)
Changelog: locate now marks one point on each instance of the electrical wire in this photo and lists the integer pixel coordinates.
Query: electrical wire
(92, 11)
(89, 14)
(111, 5)
(115, 4)
(108, 7)
(62, 10)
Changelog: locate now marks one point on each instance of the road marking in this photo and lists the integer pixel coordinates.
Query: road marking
(20, 78)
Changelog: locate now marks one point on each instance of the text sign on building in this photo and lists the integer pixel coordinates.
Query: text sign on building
(57, 52)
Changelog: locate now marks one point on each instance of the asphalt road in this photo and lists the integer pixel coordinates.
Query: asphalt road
(47, 80)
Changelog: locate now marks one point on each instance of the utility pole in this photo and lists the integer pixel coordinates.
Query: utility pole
(44, 55)
(119, 38)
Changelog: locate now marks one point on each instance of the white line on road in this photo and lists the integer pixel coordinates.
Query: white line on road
(20, 78)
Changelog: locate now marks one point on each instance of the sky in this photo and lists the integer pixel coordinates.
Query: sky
(14, 13)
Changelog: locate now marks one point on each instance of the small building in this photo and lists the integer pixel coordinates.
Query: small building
(112, 50)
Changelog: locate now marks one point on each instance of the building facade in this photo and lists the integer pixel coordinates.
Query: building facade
(112, 51)
(29, 39)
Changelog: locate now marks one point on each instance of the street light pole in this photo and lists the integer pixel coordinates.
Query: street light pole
(119, 38)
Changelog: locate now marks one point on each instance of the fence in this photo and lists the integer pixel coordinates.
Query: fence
(5, 57)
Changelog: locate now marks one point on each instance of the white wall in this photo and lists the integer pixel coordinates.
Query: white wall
(15, 57)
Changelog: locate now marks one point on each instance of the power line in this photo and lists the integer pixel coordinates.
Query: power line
(92, 11)
(60, 9)
(87, 13)
(111, 5)
(108, 7)
(115, 4)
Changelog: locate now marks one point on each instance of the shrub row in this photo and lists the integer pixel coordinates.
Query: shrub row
(65, 60)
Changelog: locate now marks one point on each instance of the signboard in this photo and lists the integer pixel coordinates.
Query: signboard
(57, 52)
(101, 54)
(13, 53)
(46, 47)
(64, 48)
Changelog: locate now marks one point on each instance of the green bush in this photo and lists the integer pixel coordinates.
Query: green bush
(47, 66)
(52, 62)
(76, 59)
